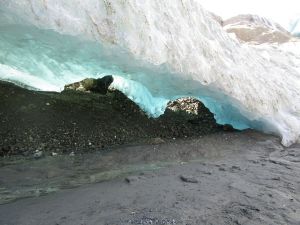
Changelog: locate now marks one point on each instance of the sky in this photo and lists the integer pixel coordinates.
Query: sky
(281, 11)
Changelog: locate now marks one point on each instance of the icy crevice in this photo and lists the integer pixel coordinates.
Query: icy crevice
(138, 93)
(173, 48)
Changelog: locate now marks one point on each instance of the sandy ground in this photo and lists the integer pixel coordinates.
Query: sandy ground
(231, 178)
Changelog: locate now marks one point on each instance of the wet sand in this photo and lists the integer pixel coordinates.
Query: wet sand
(223, 178)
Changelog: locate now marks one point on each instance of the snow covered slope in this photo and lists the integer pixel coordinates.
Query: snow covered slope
(166, 49)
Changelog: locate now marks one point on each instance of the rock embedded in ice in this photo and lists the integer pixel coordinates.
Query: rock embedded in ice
(99, 85)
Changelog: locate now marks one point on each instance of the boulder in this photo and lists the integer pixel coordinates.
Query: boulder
(99, 86)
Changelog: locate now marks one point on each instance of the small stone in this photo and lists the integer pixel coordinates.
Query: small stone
(131, 179)
(270, 195)
(236, 168)
(48, 104)
(222, 169)
(207, 172)
(188, 179)
(38, 154)
(228, 127)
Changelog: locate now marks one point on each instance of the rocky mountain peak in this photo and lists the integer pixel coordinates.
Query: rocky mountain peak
(256, 29)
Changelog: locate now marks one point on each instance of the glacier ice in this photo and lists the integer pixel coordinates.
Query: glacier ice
(157, 51)
(295, 26)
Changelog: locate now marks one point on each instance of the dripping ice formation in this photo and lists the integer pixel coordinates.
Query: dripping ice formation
(157, 51)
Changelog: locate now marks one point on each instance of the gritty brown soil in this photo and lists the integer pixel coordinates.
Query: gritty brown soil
(85, 122)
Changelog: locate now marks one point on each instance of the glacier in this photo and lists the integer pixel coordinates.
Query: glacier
(157, 51)
(295, 26)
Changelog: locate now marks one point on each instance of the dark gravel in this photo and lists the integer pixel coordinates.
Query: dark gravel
(32, 121)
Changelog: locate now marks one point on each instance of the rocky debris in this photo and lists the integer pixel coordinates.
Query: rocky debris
(99, 86)
(38, 154)
(188, 105)
(188, 179)
(132, 179)
(276, 178)
(83, 121)
(228, 127)
(235, 168)
(192, 109)
(222, 169)
(256, 30)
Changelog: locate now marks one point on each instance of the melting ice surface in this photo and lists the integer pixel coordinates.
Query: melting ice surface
(295, 25)
(157, 51)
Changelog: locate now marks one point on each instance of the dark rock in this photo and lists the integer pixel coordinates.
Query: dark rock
(222, 169)
(207, 172)
(99, 86)
(276, 178)
(228, 127)
(38, 154)
(188, 179)
(236, 168)
(131, 179)
(102, 85)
